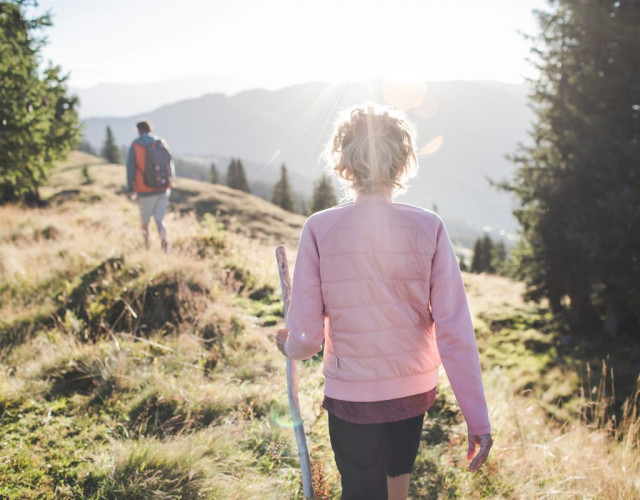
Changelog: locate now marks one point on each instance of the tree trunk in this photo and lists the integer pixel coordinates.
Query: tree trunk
(32, 198)
(585, 321)
(611, 322)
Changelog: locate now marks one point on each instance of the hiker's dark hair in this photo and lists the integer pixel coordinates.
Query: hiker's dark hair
(144, 127)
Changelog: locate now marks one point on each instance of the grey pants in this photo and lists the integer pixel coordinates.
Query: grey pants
(155, 206)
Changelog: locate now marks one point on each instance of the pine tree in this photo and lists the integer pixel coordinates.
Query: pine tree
(499, 258)
(303, 206)
(489, 256)
(110, 151)
(236, 178)
(231, 173)
(578, 183)
(462, 263)
(323, 195)
(282, 195)
(476, 260)
(213, 174)
(243, 184)
(482, 260)
(38, 118)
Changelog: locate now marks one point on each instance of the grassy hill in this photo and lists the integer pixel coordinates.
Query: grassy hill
(127, 373)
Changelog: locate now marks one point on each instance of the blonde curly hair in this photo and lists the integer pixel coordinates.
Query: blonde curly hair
(372, 150)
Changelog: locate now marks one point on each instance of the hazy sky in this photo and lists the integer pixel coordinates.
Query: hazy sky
(274, 43)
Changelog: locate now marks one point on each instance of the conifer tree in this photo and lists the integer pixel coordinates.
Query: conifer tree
(462, 263)
(303, 206)
(489, 256)
(38, 118)
(499, 258)
(578, 184)
(282, 195)
(110, 151)
(243, 184)
(231, 173)
(323, 195)
(482, 260)
(213, 174)
(236, 177)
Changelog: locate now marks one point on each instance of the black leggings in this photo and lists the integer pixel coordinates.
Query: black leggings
(367, 453)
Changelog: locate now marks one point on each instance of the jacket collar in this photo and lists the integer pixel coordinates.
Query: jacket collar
(373, 198)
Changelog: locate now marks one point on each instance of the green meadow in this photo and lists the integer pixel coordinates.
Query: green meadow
(126, 373)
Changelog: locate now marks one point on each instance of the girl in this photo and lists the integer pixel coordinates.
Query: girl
(378, 283)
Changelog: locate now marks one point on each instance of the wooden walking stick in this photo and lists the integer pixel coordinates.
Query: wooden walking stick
(292, 382)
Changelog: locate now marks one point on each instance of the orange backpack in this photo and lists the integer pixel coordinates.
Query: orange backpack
(153, 167)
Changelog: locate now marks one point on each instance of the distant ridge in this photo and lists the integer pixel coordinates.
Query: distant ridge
(476, 123)
(123, 99)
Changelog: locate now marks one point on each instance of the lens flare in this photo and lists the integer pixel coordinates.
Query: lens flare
(285, 421)
(432, 146)
(274, 156)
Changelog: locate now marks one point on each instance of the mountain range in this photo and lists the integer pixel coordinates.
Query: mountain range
(126, 99)
(465, 130)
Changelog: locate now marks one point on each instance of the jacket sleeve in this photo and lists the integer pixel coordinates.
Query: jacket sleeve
(305, 318)
(131, 168)
(455, 336)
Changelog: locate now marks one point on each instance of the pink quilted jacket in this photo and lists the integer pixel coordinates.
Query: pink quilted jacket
(378, 282)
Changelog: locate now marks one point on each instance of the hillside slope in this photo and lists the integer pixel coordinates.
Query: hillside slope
(118, 363)
(240, 211)
(127, 373)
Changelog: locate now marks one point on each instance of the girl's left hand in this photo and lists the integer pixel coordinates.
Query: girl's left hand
(281, 338)
(485, 442)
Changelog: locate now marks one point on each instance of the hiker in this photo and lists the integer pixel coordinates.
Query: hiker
(152, 195)
(378, 283)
